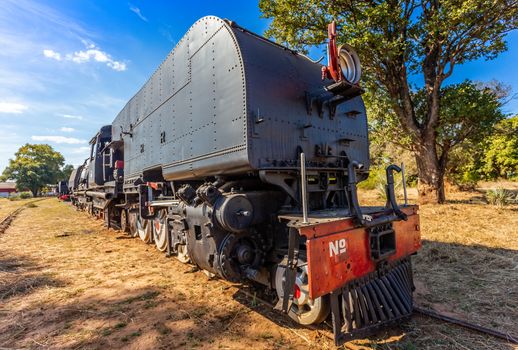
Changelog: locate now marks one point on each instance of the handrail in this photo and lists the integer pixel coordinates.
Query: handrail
(367, 220)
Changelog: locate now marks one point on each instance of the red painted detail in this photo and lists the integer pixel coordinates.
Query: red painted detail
(338, 252)
(153, 185)
(332, 71)
(296, 293)
(119, 164)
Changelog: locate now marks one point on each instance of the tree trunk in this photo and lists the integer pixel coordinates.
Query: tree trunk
(430, 184)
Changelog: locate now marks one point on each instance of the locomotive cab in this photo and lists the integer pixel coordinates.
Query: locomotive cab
(100, 160)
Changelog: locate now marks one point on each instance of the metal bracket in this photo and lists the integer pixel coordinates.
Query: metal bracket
(290, 273)
(130, 133)
(319, 97)
(278, 179)
(169, 251)
(145, 197)
(331, 96)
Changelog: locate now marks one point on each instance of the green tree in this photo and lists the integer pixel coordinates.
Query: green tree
(501, 156)
(402, 41)
(468, 114)
(34, 166)
(66, 171)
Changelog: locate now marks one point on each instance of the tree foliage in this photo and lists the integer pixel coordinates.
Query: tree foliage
(400, 41)
(468, 115)
(66, 171)
(501, 156)
(34, 166)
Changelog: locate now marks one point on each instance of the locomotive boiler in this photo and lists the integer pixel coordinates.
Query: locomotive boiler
(242, 156)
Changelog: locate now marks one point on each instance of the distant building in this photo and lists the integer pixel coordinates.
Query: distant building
(6, 188)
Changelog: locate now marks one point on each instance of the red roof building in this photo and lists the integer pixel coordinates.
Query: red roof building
(6, 188)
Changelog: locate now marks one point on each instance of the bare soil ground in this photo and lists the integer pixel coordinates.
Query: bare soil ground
(67, 282)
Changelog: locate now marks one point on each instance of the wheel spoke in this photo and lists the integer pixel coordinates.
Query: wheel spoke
(160, 230)
(304, 310)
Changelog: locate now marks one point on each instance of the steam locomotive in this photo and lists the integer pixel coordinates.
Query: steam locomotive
(242, 156)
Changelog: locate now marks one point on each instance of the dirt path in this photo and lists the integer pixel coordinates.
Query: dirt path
(66, 282)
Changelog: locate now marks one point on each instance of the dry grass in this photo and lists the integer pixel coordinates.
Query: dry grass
(66, 282)
(468, 268)
(7, 206)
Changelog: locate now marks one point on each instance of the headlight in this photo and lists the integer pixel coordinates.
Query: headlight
(349, 64)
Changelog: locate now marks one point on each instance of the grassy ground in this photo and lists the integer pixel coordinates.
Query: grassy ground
(7, 206)
(66, 282)
(468, 268)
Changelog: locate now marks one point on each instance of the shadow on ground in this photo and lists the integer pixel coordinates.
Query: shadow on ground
(157, 318)
(88, 289)
(454, 286)
(150, 317)
(21, 276)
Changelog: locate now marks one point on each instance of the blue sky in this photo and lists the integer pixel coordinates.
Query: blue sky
(68, 67)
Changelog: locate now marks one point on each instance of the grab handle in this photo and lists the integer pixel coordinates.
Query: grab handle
(366, 220)
(391, 195)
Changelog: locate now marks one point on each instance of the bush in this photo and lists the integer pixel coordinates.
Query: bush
(381, 189)
(375, 176)
(466, 181)
(501, 155)
(498, 197)
(377, 180)
(25, 195)
(14, 197)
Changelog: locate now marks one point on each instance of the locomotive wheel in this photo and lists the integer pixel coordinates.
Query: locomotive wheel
(160, 230)
(303, 310)
(125, 227)
(235, 252)
(107, 214)
(132, 223)
(145, 229)
(182, 254)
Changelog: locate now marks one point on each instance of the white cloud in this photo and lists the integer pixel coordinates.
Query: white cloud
(71, 116)
(137, 11)
(118, 66)
(52, 54)
(66, 129)
(92, 53)
(14, 108)
(85, 56)
(88, 44)
(58, 139)
(80, 150)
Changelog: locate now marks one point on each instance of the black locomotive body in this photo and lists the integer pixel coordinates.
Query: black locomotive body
(230, 153)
